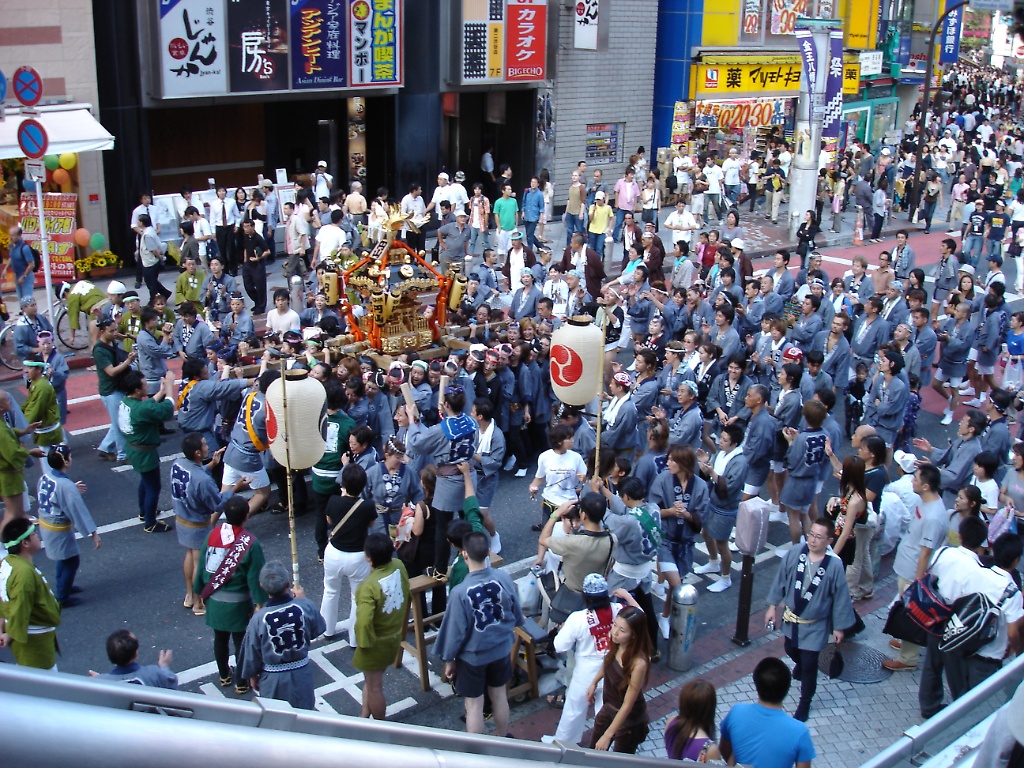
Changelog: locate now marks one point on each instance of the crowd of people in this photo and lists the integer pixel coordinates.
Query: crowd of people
(719, 387)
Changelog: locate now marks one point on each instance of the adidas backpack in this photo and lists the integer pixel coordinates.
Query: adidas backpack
(974, 623)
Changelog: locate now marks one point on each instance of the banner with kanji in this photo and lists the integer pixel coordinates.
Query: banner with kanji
(59, 210)
(375, 43)
(526, 40)
(318, 44)
(193, 48)
(833, 86)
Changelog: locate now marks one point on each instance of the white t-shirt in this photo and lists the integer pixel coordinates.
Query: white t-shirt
(322, 187)
(331, 238)
(714, 176)
(560, 475)
(785, 158)
(685, 219)
(441, 194)
(279, 323)
(731, 170)
(575, 633)
(989, 491)
(202, 229)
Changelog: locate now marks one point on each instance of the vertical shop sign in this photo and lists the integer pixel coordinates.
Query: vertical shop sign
(375, 37)
(809, 57)
(949, 46)
(259, 45)
(357, 138)
(526, 40)
(680, 123)
(59, 210)
(193, 48)
(833, 86)
(483, 41)
(317, 48)
(588, 19)
(752, 16)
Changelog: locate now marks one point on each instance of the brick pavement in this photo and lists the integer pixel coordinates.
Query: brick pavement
(883, 710)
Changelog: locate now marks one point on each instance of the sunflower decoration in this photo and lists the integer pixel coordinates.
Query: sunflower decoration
(5, 240)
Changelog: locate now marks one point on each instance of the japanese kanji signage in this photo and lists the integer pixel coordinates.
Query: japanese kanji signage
(526, 40)
(318, 44)
(258, 48)
(60, 211)
(949, 43)
(193, 56)
(784, 13)
(833, 86)
(680, 123)
(732, 80)
(586, 19)
(604, 145)
(483, 41)
(375, 49)
(742, 113)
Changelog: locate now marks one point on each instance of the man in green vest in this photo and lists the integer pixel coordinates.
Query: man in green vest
(140, 418)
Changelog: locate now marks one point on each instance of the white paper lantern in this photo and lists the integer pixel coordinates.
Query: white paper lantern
(577, 362)
(307, 417)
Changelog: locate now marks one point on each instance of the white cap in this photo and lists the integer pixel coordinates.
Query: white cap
(443, 175)
(269, 183)
(907, 461)
(117, 287)
(599, 196)
(737, 243)
(886, 152)
(461, 212)
(322, 164)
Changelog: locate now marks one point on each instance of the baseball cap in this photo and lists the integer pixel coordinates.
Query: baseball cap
(907, 461)
(269, 183)
(599, 196)
(995, 258)
(793, 354)
(738, 243)
(322, 164)
(443, 175)
(595, 584)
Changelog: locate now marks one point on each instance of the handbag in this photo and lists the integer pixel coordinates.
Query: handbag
(899, 625)
(925, 606)
(836, 664)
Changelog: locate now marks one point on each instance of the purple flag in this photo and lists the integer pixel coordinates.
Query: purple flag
(809, 55)
(833, 86)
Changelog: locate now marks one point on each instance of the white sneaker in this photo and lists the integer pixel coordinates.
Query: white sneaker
(663, 625)
(659, 589)
(510, 463)
(721, 585)
(973, 402)
(778, 516)
(547, 739)
(966, 390)
(711, 566)
(732, 546)
(521, 472)
(947, 418)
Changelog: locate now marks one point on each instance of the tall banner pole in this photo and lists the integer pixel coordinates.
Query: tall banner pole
(288, 470)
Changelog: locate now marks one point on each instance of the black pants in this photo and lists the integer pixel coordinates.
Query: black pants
(300, 494)
(152, 277)
(442, 551)
(516, 446)
(416, 240)
(806, 671)
(221, 651)
(962, 674)
(254, 278)
(226, 246)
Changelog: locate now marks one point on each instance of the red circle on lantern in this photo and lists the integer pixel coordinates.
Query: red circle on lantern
(178, 48)
(566, 366)
(271, 424)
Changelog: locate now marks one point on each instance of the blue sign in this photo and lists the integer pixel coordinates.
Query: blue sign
(3, 87)
(949, 45)
(28, 86)
(32, 139)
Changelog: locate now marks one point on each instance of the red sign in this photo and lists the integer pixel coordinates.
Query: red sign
(28, 86)
(60, 212)
(32, 138)
(526, 40)
(566, 366)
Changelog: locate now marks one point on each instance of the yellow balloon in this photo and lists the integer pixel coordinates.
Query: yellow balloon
(68, 160)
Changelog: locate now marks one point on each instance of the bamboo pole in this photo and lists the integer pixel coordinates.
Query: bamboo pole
(288, 470)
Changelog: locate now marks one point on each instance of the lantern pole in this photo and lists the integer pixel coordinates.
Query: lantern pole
(602, 320)
(288, 472)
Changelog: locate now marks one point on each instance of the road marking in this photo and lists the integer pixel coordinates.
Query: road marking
(78, 400)
(163, 460)
(87, 430)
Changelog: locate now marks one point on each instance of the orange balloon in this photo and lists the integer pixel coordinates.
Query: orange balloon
(61, 176)
(82, 236)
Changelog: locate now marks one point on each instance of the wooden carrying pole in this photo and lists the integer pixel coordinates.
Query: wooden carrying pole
(288, 472)
(603, 318)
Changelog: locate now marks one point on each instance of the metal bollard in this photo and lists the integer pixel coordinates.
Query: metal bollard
(297, 292)
(683, 623)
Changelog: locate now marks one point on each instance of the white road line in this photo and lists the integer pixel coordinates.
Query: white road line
(163, 460)
(208, 688)
(77, 400)
(87, 430)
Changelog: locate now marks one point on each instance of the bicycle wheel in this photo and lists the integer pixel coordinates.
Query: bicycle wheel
(7, 354)
(69, 338)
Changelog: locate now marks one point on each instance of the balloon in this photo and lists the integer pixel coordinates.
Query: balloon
(62, 177)
(30, 186)
(97, 241)
(52, 162)
(68, 160)
(82, 236)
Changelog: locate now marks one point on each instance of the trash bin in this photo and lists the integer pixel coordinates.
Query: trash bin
(683, 628)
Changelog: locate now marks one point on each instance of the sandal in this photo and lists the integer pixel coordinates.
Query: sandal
(242, 688)
(556, 700)
(226, 681)
(199, 609)
(189, 601)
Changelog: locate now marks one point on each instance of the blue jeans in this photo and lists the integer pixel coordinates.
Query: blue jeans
(929, 212)
(974, 246)
(573, 224)
(531, 234)
(714, 201)
(474, 235)
(596, 241)
(732, 193)
(149, 495)
(26, 287)
(66, 570)
(620, 217)
(993, 246)
(114, 438)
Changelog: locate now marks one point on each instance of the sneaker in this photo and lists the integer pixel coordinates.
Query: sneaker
(721, 585)
(974, 402)
(106, 456)
(711, 566)
(664, 626)
(547, 739)
(510, 463)
(947, 418)
(521, 472)
(966, 390)
(778, 516)
(158, 527)
(659, 589)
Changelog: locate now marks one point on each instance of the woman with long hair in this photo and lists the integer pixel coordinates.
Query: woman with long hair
(622, 723)
(690, 735)
(848, 511)
(805, 235)
(682, 496)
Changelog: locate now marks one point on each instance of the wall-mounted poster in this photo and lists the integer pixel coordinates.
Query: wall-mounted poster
(193, 43)
(319, 44)
(375, 35)
(258, 34)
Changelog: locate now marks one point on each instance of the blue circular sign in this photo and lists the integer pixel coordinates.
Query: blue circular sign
(32, 139)
(28, 86)
(3, 86)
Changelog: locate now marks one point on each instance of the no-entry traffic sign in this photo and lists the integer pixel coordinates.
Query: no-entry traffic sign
(32, 139)
(27, 85)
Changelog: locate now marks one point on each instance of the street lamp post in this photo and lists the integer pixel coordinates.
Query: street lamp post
(921, 124)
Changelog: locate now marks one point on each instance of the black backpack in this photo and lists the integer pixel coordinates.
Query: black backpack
(974, 623)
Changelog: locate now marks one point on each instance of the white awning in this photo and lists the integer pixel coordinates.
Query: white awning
(69, 128)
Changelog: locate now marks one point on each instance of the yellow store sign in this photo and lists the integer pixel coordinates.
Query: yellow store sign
(726, 81)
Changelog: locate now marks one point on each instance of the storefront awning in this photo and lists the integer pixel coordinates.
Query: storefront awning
(69, 127)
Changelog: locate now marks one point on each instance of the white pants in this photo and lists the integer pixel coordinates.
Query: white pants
(574, 712)
(337, 564)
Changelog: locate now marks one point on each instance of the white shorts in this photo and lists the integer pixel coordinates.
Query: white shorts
(259, 479)
(751, 490)
(949, 382)
(973, 354)
(778, 467)
(667, 566)
(818, 486)
(985, 370)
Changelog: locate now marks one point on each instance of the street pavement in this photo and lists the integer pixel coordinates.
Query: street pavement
(135, 581)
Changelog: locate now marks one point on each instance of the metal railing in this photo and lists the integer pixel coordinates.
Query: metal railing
(60, 720)
(919, 742)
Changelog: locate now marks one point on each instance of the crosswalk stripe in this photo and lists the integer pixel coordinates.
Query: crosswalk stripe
(163, 460)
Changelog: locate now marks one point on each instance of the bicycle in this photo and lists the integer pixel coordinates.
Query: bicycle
(72, 339)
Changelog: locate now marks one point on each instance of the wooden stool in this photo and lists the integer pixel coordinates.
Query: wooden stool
(527, 637)
(418, 585)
